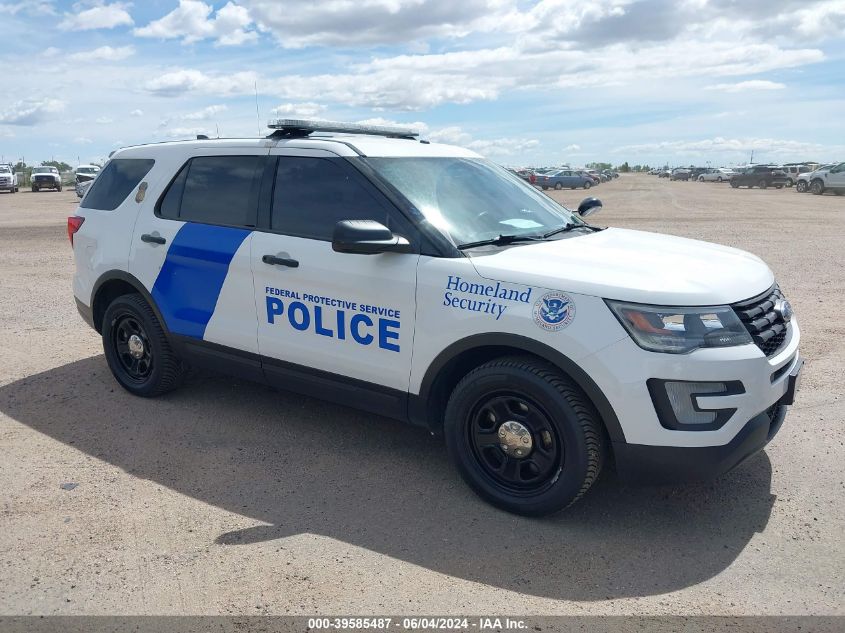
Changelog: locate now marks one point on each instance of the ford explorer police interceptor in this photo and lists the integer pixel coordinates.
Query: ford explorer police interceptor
(421, 282)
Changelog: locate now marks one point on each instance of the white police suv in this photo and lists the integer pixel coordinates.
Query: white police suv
(421, 282)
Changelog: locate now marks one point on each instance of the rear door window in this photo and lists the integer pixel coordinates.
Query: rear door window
(116, 182)
(220, 190)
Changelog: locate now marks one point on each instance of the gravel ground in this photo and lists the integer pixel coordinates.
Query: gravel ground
(226, 497)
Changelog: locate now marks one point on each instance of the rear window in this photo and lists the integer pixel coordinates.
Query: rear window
(215, 190)
(115, 182)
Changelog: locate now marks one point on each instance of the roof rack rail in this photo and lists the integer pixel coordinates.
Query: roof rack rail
(299, 128)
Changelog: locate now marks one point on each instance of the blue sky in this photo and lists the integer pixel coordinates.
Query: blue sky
(524, 83)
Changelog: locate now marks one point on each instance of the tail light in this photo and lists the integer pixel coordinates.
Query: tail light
(532, 179)
(74, 222)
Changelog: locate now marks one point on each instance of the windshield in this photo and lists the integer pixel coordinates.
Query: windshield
(473, 199)
(4, 169)
(45, 170)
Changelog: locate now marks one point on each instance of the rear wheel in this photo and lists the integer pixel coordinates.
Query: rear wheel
(523, 436)
(762, 184)
(137, 350)
(801, 186)
(789, 182)
(734, 184)
(587, 184)
(719, 179)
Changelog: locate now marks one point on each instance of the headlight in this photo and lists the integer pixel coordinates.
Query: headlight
(680, 330)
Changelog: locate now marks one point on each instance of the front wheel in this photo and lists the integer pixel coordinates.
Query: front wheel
(34, 189)
(734, 184)
(817, 187)
(59, 188)
(523, 436)
(701, 179)
(801, 186)
(558, 186)
(137, 350)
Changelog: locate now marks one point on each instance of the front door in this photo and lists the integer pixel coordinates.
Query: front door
(346, 317)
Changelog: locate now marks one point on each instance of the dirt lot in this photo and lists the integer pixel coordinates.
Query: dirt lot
(226, 497)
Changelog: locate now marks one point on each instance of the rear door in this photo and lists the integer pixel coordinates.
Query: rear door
(191, 249)
(349, 315)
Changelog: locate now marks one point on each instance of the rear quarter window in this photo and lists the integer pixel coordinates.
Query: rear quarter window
(116, 182)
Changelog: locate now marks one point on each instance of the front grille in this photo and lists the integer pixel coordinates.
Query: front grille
(766, 327)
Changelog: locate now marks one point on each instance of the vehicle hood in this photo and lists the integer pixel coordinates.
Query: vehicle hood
(632, 266)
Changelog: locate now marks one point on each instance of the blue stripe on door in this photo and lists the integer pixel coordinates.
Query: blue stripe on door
(189, 282)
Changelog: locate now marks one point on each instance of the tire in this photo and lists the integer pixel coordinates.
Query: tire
(34, 189)
(762, 184)
(560, 426)
(801, 186)
(157, 370)
(789, 182)
(701, 179)
(719, 179)
(735, 184)
(545, 187)
(817, 187)
(587, 184)
(59, 188)
(558, 186)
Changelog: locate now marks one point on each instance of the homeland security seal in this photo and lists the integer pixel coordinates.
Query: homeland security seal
(554, 311)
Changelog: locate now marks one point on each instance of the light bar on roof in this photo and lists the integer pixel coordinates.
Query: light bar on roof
(312, 125)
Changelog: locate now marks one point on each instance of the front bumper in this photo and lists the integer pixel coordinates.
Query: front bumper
(642, 464)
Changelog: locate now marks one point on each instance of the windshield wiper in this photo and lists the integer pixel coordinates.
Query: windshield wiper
(571, 226)
(502, 240)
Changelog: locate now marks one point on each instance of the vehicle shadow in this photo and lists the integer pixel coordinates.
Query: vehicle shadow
(304, 466)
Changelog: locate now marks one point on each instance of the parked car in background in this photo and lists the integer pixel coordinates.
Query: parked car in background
(793, 172)
(8, 179)
(802, 184)
(721, 174)
(680, 174)
(565, 178)
(666, 173)
(46, 177)
(595, 177)
(82, 188)
(761, 176)
(86, 172)
(830, 179)
(695, 172)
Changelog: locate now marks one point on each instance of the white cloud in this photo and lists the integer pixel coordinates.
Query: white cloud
(104, 54)
(82, 140)
(206, 113)
(293, 110)
(31, 111)
(191, 22)
(753, 84)
(179, 82)
(724, 146)
(186, 132)
(572, 148)
(348, 23)
(33, 8)
(99, 16)
(104, 120)
(136, 113)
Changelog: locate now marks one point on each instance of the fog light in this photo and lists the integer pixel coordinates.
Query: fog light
(681, 399)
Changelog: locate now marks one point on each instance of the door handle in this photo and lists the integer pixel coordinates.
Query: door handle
(280, 261)
(153, 239)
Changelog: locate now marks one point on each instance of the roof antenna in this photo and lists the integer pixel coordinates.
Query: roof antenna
(257, 113)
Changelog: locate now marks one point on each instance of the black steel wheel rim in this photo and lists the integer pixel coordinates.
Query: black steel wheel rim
(528, 475)
(136, 367)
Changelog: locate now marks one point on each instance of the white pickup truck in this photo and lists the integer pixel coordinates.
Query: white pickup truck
(8, 179)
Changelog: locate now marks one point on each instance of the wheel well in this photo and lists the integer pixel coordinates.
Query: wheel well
(461, 364)
(107, 293)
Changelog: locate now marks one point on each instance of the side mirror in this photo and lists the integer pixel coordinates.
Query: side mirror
(589, 206)
(367, 237)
